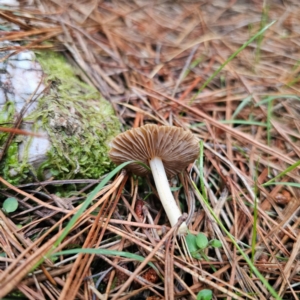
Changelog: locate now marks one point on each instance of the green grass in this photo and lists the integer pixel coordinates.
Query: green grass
(81, 210)
(283, 173)
(88, 201)
(263, 22)
(105, 252)
(243, 254)
(255, 218)
(240, 107)
(230, 59)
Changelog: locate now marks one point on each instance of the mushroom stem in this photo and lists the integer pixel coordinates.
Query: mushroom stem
(165, 194)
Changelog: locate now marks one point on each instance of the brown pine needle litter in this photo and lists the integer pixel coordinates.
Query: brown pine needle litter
(168, 63)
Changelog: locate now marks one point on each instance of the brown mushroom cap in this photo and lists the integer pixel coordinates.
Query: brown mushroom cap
(177, 148)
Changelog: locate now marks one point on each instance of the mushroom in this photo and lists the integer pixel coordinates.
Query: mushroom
(168, 150)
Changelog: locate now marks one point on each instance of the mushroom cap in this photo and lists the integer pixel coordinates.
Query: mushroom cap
(177, 148)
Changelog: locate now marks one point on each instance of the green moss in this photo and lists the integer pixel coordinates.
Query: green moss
(10, 167)
(79, 122)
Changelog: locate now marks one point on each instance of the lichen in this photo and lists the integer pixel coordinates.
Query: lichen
(79, 122)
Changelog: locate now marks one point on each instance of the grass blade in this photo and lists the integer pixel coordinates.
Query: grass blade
(105, 252)
(230, 58)
(244, 255)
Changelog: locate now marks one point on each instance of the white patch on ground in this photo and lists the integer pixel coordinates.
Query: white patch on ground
(9, 3)
(20, 81)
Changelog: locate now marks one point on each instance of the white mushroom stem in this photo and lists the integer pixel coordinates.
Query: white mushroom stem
(165, 194)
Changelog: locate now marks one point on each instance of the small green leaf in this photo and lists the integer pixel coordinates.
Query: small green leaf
(201, 241)
(215, 243)
(192, 246)
(54, 172)
(175, 188)
(191, 243)
(204, 295)
(64, 168)
(10, 205)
